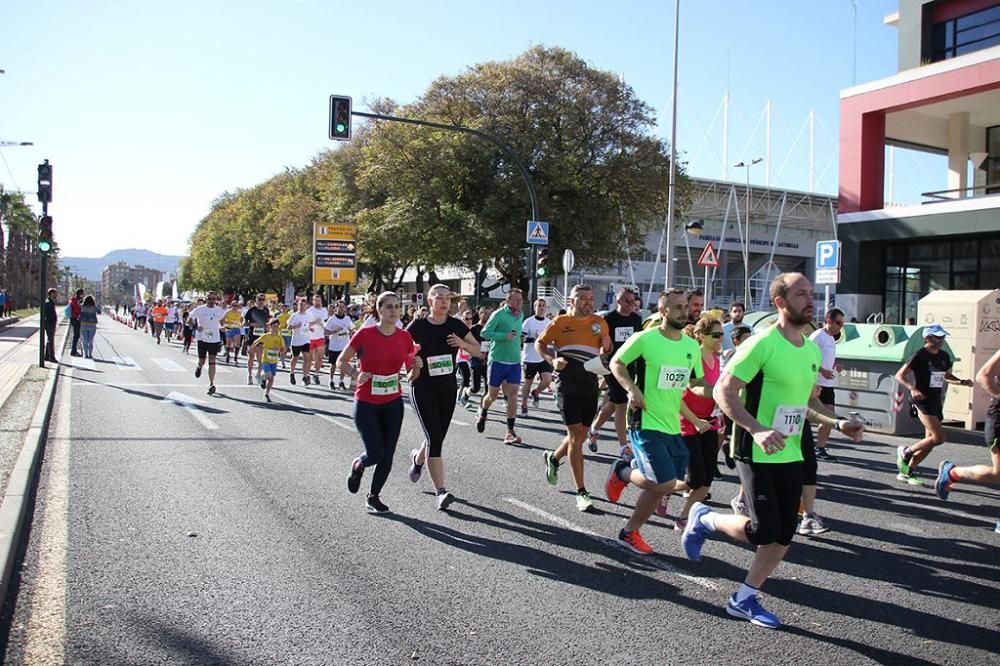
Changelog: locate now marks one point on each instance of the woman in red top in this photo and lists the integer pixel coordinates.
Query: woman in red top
(378, 403)
(702, 446)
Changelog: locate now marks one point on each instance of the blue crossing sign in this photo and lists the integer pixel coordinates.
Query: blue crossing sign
(538, 233)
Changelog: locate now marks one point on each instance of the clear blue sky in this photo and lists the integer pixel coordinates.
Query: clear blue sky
(149, 109)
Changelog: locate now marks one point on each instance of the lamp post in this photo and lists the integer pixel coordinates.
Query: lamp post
(694, 228)
(8, 144)
(746, 236)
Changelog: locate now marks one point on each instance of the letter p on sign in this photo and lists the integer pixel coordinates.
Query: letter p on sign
(827, 254)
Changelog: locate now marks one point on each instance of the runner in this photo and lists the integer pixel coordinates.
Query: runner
(140, 316)
(271, 346)
(438, 337)
(534, 365)
(171, 322)
(317, 341)
(826, 339)
(187, 331)
(232, 324)
(478, 365)
(579, 337)
(340, 327)
(378, 404)
(283, 330)
(298, 323)
(255, 320)
(207, 321)
(159, 313)
(949, 474)
(930, 368)
(666, 363)
(696, 303)
(465, 361)
(778, 370)
(623, 322)
(503, 331)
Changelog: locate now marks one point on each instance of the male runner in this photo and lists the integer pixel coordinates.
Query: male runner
(271, 345)
(232, 325)
(340, 327)
(298, 323)
(666, 363)
(317, 341)
(170, 325)
(930, 368)
(478, 365)
(283, 330)
(578, 337)
(140, 316)
(159, 313)
(623, 322)
(777, 372)
(988, 378)
(207, 321)
(736, 311)
(503, 331)
(695, 303)
(255, 319)
(826, 339)
(534, 365)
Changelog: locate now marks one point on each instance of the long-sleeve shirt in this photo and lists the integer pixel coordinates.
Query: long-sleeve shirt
(501, 323)
(49, 310)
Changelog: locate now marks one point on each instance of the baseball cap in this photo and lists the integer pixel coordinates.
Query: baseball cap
(937, 330)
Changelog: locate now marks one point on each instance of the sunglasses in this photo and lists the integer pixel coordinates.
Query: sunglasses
(716, 335)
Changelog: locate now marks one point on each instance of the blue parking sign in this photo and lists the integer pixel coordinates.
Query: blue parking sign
(827, 254)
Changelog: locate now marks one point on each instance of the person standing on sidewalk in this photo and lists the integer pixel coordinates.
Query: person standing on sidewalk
(50, 319)
(74, 320)
(88, 325)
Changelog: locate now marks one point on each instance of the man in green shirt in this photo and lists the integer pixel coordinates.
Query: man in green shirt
(777, 372)
(503, 330)
(666, 363)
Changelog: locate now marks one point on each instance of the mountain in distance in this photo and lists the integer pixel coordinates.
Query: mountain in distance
(91, 267)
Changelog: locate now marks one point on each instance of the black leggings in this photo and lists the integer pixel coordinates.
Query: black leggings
(434, 405)
(809, 464)
(773, 491)
(478, 374)
(463, 369)
(379, 426)
(703, 450)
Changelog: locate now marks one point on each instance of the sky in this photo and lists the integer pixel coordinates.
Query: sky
(149, 110)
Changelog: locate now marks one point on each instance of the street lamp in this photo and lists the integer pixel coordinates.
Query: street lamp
(746, 236)
(7, 144)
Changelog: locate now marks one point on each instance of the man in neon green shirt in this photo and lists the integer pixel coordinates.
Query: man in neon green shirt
(777, 372)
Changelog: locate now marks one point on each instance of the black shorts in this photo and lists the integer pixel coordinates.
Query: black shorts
(809, 464)
(993, 427)
(577, 407)
(208, 349)
(540, 368)
(300, 349)
(930, 407)
(141, 320)
(827, 395)
(773, 492)
(617, 394)
(332, 356)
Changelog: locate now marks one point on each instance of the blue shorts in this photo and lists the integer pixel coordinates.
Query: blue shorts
(269, 369)
(658, 456)
(169, 325)
(504, 372)
(233, 333)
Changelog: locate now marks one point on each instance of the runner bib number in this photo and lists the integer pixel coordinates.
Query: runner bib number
(440, 365)
(210, 335)
(385, 384)
(258, 331)
(673, 378)
(789, 420)
(937, 380)
(622, 333)
(270, 355)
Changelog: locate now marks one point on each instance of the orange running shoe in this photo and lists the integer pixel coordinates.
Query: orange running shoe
(614, 486)
(634, 541)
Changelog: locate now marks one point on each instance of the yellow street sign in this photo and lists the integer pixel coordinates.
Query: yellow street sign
(334, 253)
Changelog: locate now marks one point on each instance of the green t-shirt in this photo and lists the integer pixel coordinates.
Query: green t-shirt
(780, 378)
(663, 369)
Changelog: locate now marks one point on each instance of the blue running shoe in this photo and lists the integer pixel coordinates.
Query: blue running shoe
(997, 530)
(694, 534)
(943, 483)
(750, 609)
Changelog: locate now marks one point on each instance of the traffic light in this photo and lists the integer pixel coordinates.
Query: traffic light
(45, 182)
(45, 240)
(543, 260)
(340, 118)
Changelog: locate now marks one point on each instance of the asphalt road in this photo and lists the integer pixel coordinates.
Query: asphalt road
(197, 530)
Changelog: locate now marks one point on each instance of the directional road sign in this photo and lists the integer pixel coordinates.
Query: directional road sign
(538, 233)
(334, 253)
(709, 257)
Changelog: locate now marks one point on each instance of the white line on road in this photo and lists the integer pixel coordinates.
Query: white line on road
(191, 405)
(124, 384)
(325, 417)
(460, 422)
(652, 560)
(45, 635)
(169, 365)
(83, 363)
(126, 363)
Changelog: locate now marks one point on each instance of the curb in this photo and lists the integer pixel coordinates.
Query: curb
(20, 486)
(8, 321)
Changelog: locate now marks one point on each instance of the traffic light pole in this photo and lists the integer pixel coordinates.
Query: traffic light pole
(504, 148)
(41, 298)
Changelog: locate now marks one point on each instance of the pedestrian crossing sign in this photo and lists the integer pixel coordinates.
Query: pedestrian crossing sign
(538, 233)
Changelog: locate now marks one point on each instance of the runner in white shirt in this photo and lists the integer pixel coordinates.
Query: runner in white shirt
(317, 340)
(826, 339)
(534, 364)
(298, 323)
(171, 321)
(140, 316)
(340, 327)
(206, 323)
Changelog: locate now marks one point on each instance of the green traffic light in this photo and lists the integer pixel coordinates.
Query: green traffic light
(44, 246)
(540, 272)
(341, 127)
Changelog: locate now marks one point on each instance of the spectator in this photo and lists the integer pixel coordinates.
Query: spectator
(911, 321)
(74, 320)
(88, 325)
(49, 312)
(3, 302)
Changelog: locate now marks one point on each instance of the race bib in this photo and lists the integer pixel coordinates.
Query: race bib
(484, 346)
(789, 420)
(623, 333)
(385, 384)
(343, 333)
(673, 378)
(937, 379)
(270, 356)
(210, 335)
(440, 365)
(285, 332)
(258, 331)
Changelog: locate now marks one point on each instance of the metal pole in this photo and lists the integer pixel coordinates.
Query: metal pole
(504, 148)
(41, 299)
(746, 249)
(673, 152)
(707, 291)
(826, 299)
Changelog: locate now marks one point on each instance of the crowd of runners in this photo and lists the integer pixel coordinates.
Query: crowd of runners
(679, 388)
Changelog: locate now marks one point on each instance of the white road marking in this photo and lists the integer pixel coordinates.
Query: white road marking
(190, 404)
(460, 422)
(169, 365)
(124, 384)
(652, 560)
(325, 417)
(126, 363)
(83, 363)
(45, 635)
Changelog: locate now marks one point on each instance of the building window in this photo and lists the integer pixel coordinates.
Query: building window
(992, 164)
(965, 34)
